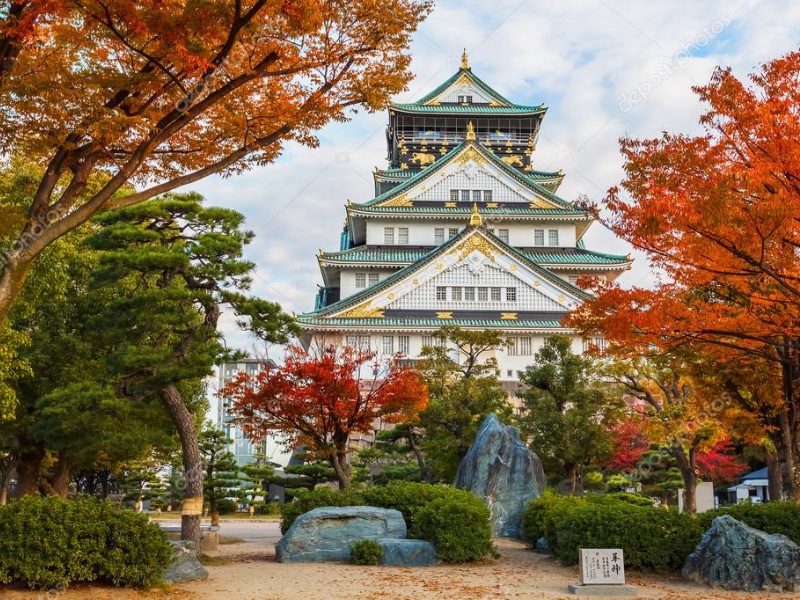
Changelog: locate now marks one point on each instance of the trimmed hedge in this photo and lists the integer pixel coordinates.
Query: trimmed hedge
(455, 521)
(771, 517)
(652, 538)
(49, 542)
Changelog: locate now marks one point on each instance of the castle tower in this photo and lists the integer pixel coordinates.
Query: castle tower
(462, 231)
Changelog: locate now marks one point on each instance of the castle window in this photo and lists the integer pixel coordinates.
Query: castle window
(483, 294)
(453, 232)
(465, 195)
(453, 195)
(361, 280)
(438, 235)
(487, 195)
(388, 236)
(441, 292)
(388, 344)
(403, 344)
(455, 294)
(373, 279)
(402, 235)
(511, 294)
(552, 237)
(538, 237)
(496, 294)
(469, 294)
(503, 235)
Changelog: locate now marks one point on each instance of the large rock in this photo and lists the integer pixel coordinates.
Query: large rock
(326, 534)
(407, 553)
(500, 469)
(185, 565)
(735, 556)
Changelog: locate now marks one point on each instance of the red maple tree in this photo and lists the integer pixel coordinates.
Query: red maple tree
(630, 444)
(719, 464)
(320, 399)
(717, 215)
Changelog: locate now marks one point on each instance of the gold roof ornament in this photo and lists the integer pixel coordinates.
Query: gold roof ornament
(464, 60)
(475, 218)
(471, 137)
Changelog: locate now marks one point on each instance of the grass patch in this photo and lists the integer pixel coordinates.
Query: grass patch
(229, 539)
(214, 561)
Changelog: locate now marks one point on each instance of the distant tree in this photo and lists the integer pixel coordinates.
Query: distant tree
(720, 463)
(186, 259)
(220, 471)
(630, 444)
(566, 411)
(462, 393)
(320, 399)
(257, 476)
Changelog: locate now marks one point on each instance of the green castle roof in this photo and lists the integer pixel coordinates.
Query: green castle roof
(443, 160)
(431, 323)
(468, 108)
(407, 271)
(405, 255)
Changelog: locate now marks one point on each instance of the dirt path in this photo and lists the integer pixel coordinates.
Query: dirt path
(250, 572)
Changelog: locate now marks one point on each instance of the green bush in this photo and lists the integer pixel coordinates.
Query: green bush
(771, 517)
(225, 506)
(543, 514)
(366, 552)
(459, 527)
(651, 538)
(49, 542)
(635, 499)
(406, 496)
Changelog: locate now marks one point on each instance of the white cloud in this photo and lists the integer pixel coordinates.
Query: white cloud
(579, 57)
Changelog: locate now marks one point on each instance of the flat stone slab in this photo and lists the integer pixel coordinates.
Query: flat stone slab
(185, 565)
(408, 553)
(326, 534)
(608, 590)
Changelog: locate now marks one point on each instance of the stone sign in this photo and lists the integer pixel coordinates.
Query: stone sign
(599, 566)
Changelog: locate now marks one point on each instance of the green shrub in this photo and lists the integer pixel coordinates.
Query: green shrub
(635, 499)
(226, 506)
(48, 542)
(771, 517)
(651, 538)
(542, 515)
(406, 496)
(458, 525)
(366, 552)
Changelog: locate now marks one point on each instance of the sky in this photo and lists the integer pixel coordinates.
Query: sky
(606, 69)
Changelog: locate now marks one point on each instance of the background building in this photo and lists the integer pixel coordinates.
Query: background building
(242, 447)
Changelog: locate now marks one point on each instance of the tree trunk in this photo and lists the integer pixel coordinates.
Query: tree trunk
(192, 464)
(687, 468)
(8, 473)
(12, 278)
(339, 460)
(28, 471)
(423, 466)
(774, 485)
(57, 484)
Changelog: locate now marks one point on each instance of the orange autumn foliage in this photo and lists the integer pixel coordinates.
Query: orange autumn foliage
(161, 94)
(320, 399)
(719, 217)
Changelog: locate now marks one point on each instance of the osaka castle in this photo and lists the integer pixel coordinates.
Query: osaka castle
(463, 230)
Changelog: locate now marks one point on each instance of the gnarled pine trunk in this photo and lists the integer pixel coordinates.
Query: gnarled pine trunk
(192, 464)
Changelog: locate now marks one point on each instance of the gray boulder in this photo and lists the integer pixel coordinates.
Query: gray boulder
(185, 565)
(407, 553)
(500, 469)
(326, 534)
(735, 556)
